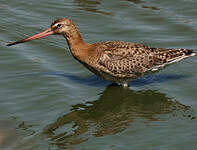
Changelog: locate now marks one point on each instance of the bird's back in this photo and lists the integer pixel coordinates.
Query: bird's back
(125, 59)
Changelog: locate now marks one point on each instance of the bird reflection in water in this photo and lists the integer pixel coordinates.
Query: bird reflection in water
(113, 112)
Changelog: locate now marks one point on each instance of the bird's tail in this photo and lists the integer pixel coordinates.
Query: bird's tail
(168, 56)
(175, 55)
(165, 57)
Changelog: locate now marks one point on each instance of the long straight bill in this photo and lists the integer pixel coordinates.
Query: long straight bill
(37, 36)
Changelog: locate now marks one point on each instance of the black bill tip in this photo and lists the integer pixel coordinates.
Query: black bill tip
(14, 43)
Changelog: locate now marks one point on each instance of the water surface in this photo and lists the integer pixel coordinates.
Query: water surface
(50, 101)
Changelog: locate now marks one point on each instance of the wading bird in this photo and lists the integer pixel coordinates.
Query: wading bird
(115, 61)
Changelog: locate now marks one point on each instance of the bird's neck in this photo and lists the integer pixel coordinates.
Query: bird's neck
(77, 46)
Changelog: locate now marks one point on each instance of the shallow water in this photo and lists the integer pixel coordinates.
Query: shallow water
(49, 101)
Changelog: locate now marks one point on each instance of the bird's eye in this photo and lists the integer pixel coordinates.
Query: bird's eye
(59, 25)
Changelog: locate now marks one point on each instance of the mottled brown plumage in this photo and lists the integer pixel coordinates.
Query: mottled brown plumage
(115, 61)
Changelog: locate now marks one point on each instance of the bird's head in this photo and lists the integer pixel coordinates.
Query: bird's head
(63, 26)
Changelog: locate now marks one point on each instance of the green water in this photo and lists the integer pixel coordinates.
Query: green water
(48, 101)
